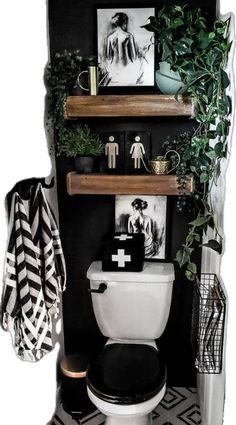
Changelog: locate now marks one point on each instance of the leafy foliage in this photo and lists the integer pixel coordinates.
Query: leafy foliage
(181, 144)
(80, 141)
(200, 56)
(60, 78)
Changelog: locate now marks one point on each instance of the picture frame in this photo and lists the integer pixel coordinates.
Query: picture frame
(144, 214)
(125, 51)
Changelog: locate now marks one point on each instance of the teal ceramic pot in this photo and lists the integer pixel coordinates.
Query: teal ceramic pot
(168, 81)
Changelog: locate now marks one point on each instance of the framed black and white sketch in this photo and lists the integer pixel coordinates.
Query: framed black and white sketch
(147, 215)
(125, 50)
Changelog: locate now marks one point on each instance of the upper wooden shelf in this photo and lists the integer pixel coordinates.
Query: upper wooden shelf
(152, 105)
(107, 184)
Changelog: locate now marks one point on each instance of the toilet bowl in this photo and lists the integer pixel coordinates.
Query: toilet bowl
(135, 414)
(127, 380)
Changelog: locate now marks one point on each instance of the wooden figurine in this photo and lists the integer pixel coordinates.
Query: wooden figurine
(137, 151)
(112, 151)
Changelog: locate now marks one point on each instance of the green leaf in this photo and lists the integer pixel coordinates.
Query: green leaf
(220, 129)
(211, 35)
(224, 79)
(178, 22)
(199, 221)
(211, 154)
(192, 267)
(166, 52)
(219, 149)
(213, 244)
(189, 238)
(181, 48)
(178, 8)
(211, 134)
(220, 27)
(204, 39)
(204, 177)
(183, 256)
(179, 257)
(211, 222)
(190, 276)
(228, 101)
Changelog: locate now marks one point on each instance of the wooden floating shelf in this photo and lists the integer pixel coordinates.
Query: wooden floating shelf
(105, 184)
(127, 106)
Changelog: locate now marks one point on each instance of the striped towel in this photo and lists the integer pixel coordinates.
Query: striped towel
(34, 276)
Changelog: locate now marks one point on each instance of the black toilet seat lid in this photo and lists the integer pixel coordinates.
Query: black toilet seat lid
(126, 373)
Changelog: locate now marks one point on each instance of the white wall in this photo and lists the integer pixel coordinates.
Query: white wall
(212, 387)
(27, 391)
(228, 261)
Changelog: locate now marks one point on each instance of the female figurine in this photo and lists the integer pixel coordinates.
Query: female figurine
(137, 151)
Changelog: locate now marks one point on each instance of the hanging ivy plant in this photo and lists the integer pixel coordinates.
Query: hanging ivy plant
(60, 78)
(200, 56)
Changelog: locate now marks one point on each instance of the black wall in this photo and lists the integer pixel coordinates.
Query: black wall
(85, 219)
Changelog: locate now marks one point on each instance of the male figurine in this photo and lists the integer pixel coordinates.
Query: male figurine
(111, 150)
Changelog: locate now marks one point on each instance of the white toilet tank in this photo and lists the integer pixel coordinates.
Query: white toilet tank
(135, 305)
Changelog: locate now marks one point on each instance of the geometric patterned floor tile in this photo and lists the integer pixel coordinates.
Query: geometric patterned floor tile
(190, 416)
(179, 406)
(172, 398)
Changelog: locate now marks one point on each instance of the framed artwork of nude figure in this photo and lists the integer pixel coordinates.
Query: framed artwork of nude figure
(125, 50)
(147, 215)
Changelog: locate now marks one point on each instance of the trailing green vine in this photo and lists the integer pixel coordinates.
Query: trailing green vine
(61, 75)
(200, 56)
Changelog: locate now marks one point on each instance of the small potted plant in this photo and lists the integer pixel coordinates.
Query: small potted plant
(81, 144)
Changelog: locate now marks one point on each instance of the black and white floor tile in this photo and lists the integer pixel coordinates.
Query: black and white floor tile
(179, 406)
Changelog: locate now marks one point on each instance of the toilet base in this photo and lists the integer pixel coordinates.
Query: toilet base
(135, 414)
(127, 420)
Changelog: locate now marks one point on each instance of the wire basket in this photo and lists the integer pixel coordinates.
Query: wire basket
(209, 308)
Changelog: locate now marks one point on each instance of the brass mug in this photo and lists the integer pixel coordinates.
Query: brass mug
(161, 165)
(93, 80)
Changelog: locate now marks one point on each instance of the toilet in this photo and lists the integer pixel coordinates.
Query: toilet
(127, 380)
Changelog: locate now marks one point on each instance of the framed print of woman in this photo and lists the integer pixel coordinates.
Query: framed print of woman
(125, 52)
(141, 223)
(145, 215)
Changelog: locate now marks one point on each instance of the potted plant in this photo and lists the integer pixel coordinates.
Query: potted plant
(177, 32)
(182, 35)
(199, 52)
(79, 143)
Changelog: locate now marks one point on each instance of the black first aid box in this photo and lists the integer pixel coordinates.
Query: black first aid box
(123, 252)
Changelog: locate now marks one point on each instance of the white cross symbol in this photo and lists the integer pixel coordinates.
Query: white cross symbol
(123, 237)
(121, 258)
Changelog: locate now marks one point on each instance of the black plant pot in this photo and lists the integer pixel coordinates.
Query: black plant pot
(84, 164)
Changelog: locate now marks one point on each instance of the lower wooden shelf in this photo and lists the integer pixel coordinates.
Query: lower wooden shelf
(107, 184)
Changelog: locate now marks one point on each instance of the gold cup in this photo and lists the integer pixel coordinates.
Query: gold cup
(161, 165)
